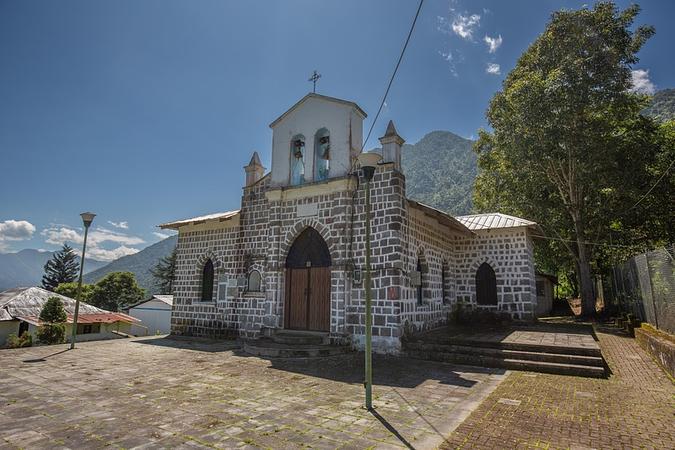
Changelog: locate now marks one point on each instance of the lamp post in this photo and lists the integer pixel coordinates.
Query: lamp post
(368, 162)
(87, 219)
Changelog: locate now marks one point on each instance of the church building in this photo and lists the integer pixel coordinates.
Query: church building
(293, 256)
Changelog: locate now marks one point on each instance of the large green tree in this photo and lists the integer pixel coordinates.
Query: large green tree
(568, 146)
(61, 268)
(116, 291)
(70, 290)
(164, 272)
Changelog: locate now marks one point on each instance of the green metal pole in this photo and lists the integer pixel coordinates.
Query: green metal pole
(79, 290)
(369, 315)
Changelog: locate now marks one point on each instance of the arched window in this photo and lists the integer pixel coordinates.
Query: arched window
(297, 160)
(486, 285)
(207, 281)
(421, 268)
(321, 154)
(444, 283)
(254, 281)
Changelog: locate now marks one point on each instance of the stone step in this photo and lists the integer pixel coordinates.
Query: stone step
(517, 346)
(560, 358)
(269, 349)
(512, 364)
(297, 337)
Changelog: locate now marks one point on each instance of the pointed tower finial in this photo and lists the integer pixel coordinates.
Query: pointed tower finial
(254, 170)
(391, 146)
(391, 129)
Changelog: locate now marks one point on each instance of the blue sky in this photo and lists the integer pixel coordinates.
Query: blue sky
(146, 111)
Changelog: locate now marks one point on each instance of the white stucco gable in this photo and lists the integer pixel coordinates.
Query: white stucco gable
(343, 121)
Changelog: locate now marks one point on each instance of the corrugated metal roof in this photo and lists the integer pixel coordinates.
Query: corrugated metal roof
(491, 221)
(28, 302)
(217, 216)
(109, 317)
(168, 299)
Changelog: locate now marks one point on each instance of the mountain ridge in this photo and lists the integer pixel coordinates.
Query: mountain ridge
(26, 267)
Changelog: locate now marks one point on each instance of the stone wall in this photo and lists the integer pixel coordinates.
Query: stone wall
(271, 218)
(433, 243)
(387, 218)
(510, 253)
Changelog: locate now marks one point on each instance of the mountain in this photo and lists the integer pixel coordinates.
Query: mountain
(25, 268)
(139, 264)
(662, 107)
(440, 171)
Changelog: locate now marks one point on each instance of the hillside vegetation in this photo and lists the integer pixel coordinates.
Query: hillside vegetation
(440, 171)
(139, 264)
(662, 107)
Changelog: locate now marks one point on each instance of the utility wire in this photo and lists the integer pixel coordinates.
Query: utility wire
(391, 80)
(650, 189)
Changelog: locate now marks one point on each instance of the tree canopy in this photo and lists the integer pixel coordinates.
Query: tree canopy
(569, 147)
(164, 272)
(116, 290)
(62, 268)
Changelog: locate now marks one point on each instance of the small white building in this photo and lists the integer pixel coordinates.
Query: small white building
(20, 313)
(154, 314)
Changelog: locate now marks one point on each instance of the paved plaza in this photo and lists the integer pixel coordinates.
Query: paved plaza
(166, 393)
(178, 393)
(633, 408)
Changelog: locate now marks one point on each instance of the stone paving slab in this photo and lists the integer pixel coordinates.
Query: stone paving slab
(167, 393)
(633, 408)
(546, 336)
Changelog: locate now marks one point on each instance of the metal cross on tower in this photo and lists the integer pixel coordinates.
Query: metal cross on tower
(314, 78)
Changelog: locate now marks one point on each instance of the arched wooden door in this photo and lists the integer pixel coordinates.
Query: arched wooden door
(307, 302)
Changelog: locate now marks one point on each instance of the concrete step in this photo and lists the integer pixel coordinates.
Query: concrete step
(298, 337)
(560, 358)
(511, 363)
(267, 348)
(517, 346)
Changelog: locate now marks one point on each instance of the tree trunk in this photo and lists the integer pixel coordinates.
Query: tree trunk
(583, 267)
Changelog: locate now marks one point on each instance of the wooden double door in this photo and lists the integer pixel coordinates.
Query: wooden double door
(308, 298)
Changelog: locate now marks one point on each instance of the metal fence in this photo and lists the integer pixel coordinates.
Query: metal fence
(645, 286)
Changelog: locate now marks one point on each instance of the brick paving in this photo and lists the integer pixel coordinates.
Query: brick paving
(633, 408)
(165, 393)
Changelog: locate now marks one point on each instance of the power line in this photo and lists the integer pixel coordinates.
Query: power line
(391, 80)
(650, 189)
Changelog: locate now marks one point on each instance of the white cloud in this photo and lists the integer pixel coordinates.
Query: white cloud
(16, 230)
(101, 254)
(160, 235)
(464, 26)
(493, 43)
(95, 249)
(641, 82)
(122, 225)
(493, 69)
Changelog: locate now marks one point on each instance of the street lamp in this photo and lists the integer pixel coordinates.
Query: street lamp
(87, 219)
(368, 162)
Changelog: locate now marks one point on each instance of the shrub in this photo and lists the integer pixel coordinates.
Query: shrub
(14, 341)
(52, 333)
(53, 316)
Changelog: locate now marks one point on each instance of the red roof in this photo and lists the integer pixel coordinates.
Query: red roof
(110, 317)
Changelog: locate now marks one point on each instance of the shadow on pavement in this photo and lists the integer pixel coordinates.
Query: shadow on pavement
(190, 343)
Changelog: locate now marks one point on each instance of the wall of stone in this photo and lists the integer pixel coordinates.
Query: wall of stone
(326, 207)
(271, 218)
(434, 244)
(388, 215)
(510, 253)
